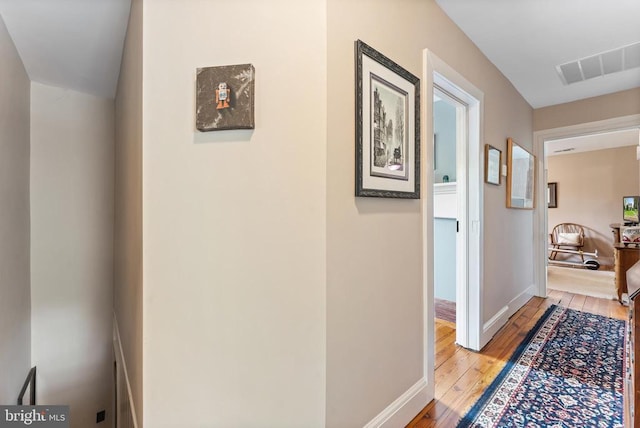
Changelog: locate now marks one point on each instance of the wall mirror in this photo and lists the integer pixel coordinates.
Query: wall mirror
(520, 177)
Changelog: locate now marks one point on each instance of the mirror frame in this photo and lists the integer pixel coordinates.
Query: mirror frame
(525, 176)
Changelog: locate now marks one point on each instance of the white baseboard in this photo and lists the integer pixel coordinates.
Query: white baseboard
(497, 321)
(404, 408)
(492, 326)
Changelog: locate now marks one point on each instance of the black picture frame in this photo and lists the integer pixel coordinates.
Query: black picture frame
(552, 195)
(387, 142)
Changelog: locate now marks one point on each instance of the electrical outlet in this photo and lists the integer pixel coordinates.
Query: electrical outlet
(100, 416)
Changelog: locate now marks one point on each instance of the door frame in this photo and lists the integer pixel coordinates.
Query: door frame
(541, 223)
(469, 182)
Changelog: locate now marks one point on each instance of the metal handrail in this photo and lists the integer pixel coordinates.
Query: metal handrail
(30, 380)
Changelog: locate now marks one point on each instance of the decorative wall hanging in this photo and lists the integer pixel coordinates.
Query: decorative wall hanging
(492, 162)
(552, 195)
(224, 97)
(521, 177)
(387, 127)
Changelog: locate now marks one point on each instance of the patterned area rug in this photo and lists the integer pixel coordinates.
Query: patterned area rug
(567, 372)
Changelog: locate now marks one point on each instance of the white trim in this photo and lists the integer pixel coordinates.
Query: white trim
(469, 182)
(404, 409)
(491, 327)
(428, 320)
(540, 223)
(495, 320)
(117, 343)
(444, 188)
(445, 200)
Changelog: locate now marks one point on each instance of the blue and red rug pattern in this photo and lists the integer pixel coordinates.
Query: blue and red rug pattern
(567, 372)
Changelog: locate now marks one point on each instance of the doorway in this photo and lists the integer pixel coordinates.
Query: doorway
(466, 100)
(541, 222)
(450, 118)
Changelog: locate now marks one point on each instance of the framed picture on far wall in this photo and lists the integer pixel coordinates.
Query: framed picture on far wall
(387, 127)
(552, 195)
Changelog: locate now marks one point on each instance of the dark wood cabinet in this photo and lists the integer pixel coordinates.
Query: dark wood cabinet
(624, 258)
(632, 376)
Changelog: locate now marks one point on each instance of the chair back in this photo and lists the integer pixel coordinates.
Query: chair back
(567, 230)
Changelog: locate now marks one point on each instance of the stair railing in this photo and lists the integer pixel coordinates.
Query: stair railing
(30, 382)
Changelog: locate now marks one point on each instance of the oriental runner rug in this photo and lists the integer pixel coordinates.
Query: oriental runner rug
(567, 372)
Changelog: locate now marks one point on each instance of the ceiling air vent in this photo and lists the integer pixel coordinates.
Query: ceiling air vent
(613, 61)
(570, 149)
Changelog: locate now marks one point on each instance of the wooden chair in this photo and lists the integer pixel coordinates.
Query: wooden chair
(567, 236)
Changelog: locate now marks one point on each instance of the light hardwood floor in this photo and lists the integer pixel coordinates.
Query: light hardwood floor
(462, 375)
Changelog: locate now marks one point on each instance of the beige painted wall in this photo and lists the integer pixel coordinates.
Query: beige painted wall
(128, 206)
(590, 190)
(610, 106)
(375, 333)
(262, 286)
(72, 250)
(234, 221)
(15, 306)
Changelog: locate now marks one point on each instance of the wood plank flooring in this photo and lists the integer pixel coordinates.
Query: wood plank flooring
(445, 310)
(462, 375)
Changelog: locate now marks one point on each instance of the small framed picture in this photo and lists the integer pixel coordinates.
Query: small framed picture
(225, 97)
(552, 195)
(387, 127)
(492, 162)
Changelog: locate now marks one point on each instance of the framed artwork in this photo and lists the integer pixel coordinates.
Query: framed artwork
(387, 127)
(492, 162)
(225, 97)
(435, 152)
(552, 195)
(521, 177)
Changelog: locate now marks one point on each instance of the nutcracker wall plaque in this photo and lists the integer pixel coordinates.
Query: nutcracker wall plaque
(225, 97)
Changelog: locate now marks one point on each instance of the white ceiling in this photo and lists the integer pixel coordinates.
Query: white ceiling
(527, 39)
(77, 44)
(74, 44)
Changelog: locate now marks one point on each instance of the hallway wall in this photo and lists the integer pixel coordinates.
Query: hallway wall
(234, 221)
(72, 165)
(376, 324)
(15, 306)
(127, 281)
(608, 106)
(262, 282)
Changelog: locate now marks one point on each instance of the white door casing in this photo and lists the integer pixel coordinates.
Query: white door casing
(470, 201)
